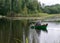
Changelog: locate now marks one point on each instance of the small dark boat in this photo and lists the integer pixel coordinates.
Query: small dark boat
(38, 25)
(38, 28)
(44, 26)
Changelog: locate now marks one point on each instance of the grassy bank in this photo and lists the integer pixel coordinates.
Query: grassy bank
(37, 15)
(32, 15)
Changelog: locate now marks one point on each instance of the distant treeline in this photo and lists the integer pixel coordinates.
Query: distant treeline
(53, 9)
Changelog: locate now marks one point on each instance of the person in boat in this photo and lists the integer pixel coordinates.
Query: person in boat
(38, 24)
(39, 27)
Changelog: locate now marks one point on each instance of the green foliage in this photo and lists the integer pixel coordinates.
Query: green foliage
(53, 9)
(4, 7)
(19, 6)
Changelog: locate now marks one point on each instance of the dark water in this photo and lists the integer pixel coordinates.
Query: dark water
(15, 32)
(53, 35)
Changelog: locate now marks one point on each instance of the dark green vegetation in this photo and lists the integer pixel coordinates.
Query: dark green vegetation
(19, 7)
(26, 7)
(53, 9)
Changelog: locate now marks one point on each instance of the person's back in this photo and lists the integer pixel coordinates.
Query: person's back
(38, 24)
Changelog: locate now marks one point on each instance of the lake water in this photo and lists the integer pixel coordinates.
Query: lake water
(53, 35)
(11, 31)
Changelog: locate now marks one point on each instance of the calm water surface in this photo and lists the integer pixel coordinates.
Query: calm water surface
(53, 35)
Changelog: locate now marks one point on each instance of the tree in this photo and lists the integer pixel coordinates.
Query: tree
(53, 9)
(18, 6)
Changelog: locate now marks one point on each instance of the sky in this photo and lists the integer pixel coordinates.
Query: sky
(49, 2)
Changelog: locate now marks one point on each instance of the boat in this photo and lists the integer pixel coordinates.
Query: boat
(40, 27)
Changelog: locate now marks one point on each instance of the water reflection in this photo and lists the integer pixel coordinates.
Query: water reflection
(53, 35)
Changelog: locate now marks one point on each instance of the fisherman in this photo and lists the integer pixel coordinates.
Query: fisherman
(39, 27)
(38, 24)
